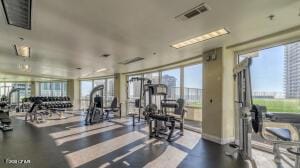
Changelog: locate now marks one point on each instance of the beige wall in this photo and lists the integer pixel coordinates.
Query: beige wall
(73, 91)
(212, 96)
(228, 111)
(218, 98)
(35, 88)
(123, 93)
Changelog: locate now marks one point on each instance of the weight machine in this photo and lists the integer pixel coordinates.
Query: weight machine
(252, 117)
(10, 94)
(139, 103)
(95, 111)
(243, 111)
(156, 111)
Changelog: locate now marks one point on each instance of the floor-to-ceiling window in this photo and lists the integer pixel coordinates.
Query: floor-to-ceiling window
(193, 95)
(110, 91)
(171, 78)
(5, 88)
(133, 93)
(275, 78)
(53, 88)
(86, 87)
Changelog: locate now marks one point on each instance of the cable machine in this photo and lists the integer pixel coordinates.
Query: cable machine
(243, 108)
(13, 90)
(140, 103)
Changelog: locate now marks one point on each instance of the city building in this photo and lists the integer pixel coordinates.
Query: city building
(292, 70)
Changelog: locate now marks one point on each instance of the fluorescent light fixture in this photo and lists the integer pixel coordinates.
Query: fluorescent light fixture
(201, 38)
(23, 51)
(101, 70)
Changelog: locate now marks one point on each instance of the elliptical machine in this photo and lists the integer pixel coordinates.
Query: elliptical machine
(95, 111)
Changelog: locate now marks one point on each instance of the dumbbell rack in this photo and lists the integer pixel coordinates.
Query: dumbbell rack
(55, 105)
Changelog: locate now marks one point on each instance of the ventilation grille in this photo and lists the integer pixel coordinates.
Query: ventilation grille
(129, 61)
(193, 12)
(18, 12)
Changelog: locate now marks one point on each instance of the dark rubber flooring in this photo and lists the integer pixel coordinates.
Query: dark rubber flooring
(27, 142)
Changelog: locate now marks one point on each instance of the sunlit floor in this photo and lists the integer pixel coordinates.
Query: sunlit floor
(69, 143)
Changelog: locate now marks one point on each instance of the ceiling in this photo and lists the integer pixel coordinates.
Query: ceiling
(68, 34)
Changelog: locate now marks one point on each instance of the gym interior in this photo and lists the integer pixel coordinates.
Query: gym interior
(150, 83)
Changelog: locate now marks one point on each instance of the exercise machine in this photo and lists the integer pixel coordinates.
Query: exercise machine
(285, 137)
(252, 118)
(140, 102)
(243, 112)
(95, 111)
(37, 111)
(10, 95)
(5, 121)
(158, 111)
(113, 108)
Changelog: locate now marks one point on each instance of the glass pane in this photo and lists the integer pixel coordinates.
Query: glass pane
(280, 92)
(85, 89)
(110, 91)
(153, 76)
(99, 82)
(171, 78)
(64, 88)
(56, 89)
(53, 88)
(193, 85)
(193, 95)
(133, 93)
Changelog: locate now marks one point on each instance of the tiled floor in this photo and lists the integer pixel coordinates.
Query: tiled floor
(69, 143)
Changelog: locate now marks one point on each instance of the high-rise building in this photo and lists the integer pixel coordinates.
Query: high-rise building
(170, 81)
(292, 70)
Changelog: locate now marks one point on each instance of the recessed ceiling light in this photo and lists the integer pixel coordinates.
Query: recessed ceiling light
(201, 38)
(101, 70)
(23, 51)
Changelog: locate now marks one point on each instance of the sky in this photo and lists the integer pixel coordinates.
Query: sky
(267, 70)
(192, 76)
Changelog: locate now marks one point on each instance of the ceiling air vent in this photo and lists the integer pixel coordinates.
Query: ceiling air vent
(193, 12)
(18, 12)
(129, 61)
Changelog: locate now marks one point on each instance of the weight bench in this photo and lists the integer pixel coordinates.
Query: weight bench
(280, 133)
(5, 121)
(284, 135)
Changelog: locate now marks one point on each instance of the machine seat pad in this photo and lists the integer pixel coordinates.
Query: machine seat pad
(281, 133)
(161, 117)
